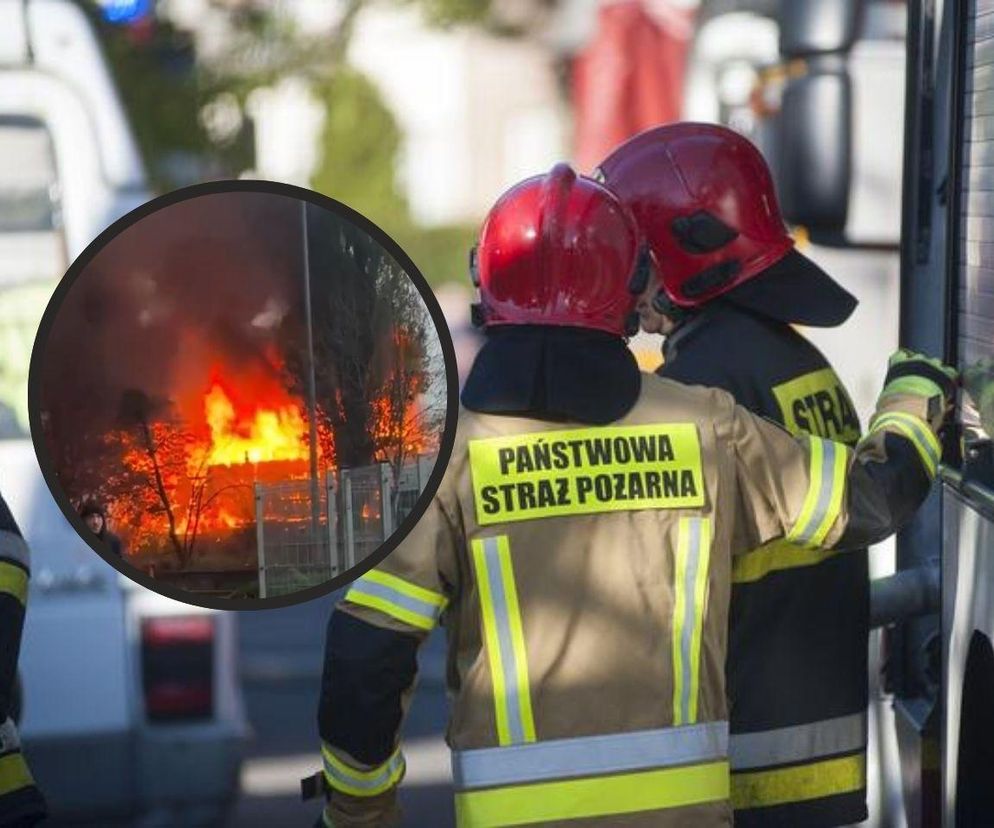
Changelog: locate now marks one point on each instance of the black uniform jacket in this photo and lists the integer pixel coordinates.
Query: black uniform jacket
(798, 636)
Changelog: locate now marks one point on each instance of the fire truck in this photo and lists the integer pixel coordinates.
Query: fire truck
(878, 119)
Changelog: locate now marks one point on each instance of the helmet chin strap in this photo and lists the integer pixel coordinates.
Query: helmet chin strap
(661, 303)
(476, 315)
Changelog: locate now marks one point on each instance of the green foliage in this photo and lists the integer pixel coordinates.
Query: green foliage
(359, 148)
(163, 91)
(441, 253)
(445, 13)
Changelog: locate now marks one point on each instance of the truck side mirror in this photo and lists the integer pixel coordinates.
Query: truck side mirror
(809, 27)
(814, 143)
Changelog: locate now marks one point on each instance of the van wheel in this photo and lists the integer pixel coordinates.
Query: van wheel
(975, 776)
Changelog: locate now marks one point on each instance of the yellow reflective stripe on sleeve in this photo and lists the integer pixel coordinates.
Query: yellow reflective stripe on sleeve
(915, 386)
(625, 793)
(690, 592)
(14, 581)
(14, 773)
(815, 468)
(774, 557)
(397, 598)
(347, 779)
(917, 431)
(760, 789)
(823, 499)
(840, 464)
(504, 640)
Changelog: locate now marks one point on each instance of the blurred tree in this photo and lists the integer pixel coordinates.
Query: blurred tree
(371, 335)
(360, 144)
(160, 471)
(167, 92)
(164, 91)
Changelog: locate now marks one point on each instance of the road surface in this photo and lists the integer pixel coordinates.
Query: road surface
(281, 652)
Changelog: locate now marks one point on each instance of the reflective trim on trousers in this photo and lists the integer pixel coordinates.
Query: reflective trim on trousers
(823, 500)
(775, 556)
(589, 755)
(800, 743)
(9, 738)
(344, 778)
(400, 599)
(13, 547)
(690, 591)
(14, 773)
(14, 581)
(504, 640)
(799, 783)
(623, 793)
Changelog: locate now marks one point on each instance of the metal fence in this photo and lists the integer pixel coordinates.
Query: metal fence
(295, 553)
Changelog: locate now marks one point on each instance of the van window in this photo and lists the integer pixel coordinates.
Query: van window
(32, 256)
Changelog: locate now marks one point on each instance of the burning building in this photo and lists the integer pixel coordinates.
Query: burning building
(182, 368)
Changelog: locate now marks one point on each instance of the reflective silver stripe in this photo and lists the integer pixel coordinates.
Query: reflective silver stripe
(13, 548)
(589, 755)
(921, 435)
(689, 614)
(825, 489)
(9, 740)
(395, 596)
(509, 663)
(799, 743)
(381, 779)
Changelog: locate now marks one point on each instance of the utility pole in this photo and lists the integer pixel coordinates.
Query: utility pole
(312, 441)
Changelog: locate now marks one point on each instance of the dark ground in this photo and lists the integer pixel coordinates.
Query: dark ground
(281, 651)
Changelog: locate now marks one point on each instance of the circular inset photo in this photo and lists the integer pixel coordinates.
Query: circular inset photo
(243, 395)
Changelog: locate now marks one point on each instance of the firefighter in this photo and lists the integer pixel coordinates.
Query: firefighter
(21, 803)
(579, 547)
(732, 286)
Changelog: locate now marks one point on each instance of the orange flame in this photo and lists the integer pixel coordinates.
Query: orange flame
(265, 435)
(237, 428)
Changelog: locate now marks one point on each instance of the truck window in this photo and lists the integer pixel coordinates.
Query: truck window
(32, 256)
(973, 239)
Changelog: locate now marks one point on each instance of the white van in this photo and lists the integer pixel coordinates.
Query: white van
(131, 703)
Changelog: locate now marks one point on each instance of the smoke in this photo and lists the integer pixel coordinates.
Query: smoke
(202, 283)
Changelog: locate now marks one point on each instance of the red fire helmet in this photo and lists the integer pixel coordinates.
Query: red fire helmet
(704, 197)
(559, 249)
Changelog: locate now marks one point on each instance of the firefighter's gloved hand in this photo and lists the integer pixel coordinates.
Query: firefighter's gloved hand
(910, 374)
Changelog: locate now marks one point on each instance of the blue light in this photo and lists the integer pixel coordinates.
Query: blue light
(124, 11)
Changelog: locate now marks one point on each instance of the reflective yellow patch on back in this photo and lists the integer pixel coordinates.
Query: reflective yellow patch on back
(587, 470)
(817, 403)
